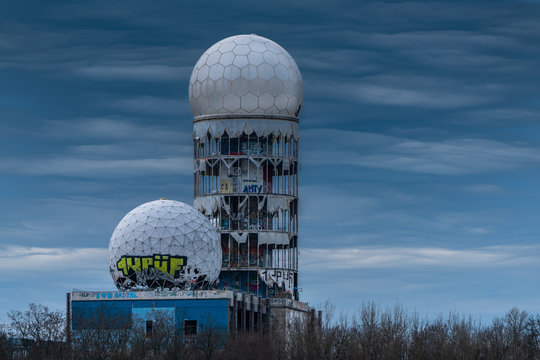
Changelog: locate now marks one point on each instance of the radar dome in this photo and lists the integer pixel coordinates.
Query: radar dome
(246, 74)
(164, 244)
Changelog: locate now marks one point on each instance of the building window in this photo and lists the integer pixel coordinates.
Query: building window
(190, 327)
(149, 328)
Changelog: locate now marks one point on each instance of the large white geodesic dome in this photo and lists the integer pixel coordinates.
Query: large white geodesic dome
(164, 244)
(246, 74)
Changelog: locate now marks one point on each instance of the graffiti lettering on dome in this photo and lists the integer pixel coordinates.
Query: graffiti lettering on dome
(167, 264)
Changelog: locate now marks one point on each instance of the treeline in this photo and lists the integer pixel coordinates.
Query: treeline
(373, 333)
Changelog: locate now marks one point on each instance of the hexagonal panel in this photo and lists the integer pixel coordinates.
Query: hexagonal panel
(283, 59)
(249, 102)
(266, 71)
(213, 58)
(270, 58)
(241, 50)
(266, 101)
(231, 72)
(240, 61)
(274, 86)
(203, 73)
(202, 104)
(293, 74)
(249, 72)
(226, 58)
(281, 72)
(275, 48)
(223, 87)
(292, 105)
(281, 101)
(258, 86)
(258, 46)
(216, 71)
(196, 89)
(242, 40)
(215, 101)
(207, 88)
(231, 102)
(255, 58)
(240, 86)
(289, 88)
(227, 46)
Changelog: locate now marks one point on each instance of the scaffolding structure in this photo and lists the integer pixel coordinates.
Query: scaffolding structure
(246, 183)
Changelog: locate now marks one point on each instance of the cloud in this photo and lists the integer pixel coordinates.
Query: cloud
(405, 96)
(152, 73)
(150, 105)
(484, 188)
(110, 128)
(447, 157)
(17, 259)
(479, 230)
(103, 147)
(72, 166)
(498, 116)
(405, 88)
(317, 259)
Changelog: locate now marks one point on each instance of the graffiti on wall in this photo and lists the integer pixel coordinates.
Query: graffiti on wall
(148, 295)
(252, 186)
(282, 278)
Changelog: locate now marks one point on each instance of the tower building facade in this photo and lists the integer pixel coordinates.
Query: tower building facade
(167, 258)
(245, 93)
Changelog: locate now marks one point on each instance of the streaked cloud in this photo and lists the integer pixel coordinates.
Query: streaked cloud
(71, 166)
(150, 105)
(484, 188)
(28, 259)
(372, 257)
(109, 128)
(152, 73)
(406, 96)
(447, 157)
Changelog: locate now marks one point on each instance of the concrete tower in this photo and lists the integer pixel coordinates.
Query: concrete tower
(245, 94)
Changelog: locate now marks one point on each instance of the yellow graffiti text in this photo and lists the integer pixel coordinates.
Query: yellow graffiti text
(165, 263)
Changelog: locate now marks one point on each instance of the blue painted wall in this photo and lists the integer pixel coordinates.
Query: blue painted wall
(119, 313)
(104, 314)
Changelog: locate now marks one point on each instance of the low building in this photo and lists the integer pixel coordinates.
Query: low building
(191, 311)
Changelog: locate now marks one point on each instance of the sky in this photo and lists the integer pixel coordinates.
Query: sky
(419, 151)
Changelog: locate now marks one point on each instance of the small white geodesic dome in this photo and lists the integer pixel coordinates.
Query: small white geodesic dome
(246, 74)
(164, 244)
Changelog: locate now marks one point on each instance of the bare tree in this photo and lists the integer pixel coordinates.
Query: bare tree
(100, 336)
(45, 328)
(210, 338)
(373, 333)
(162, 341)
(7, 348)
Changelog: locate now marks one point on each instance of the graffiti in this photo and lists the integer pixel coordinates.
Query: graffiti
(252, 189)
(148, 276)
(283, 278)
(149, 295)
(147, 265)
(225, 186)
(112, 295)
(252, 186)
